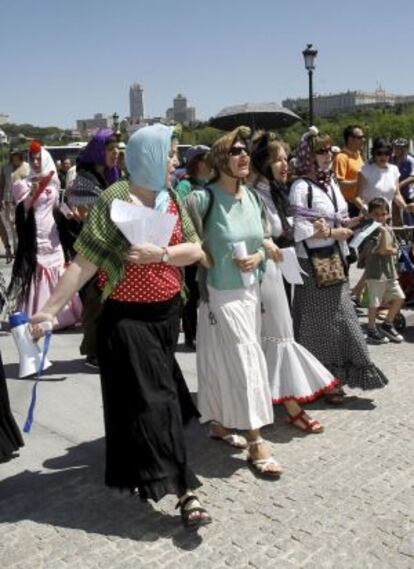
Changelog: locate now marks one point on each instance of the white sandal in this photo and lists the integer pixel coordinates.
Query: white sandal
(235, 441)
(260, 465)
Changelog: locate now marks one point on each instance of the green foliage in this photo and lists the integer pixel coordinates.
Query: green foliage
(389, 123)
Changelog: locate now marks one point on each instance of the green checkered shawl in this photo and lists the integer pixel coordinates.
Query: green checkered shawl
(103, 244)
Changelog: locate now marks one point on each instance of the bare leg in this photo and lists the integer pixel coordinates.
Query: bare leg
(394, 309)
(372, 314)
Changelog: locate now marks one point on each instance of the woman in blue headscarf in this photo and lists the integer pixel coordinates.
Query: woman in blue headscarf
(145, 398)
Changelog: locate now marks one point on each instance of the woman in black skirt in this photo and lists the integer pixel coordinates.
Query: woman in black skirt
(324, 318)
(145, 398)
(10, 437)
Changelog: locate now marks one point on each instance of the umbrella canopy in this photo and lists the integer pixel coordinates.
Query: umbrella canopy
(254, 115)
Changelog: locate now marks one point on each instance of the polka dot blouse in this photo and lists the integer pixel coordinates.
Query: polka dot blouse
(149, 283)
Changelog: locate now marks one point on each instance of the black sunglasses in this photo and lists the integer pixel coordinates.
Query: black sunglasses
(322, 151)
(237, 150)
(358, 136)
(382, 153)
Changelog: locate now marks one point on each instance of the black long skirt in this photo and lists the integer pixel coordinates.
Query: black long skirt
(10, 437)
(145, 398)
(325, 323)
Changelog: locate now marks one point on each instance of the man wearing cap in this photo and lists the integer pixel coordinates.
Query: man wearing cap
(405, 164)
(15, 170)
(348, 163)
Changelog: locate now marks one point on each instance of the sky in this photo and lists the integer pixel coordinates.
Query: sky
(62, 60)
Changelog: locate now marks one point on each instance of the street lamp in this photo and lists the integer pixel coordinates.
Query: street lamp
(309, 55)
(115, 121)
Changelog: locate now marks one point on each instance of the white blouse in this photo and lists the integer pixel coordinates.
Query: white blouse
(379, 182)
(322, 205)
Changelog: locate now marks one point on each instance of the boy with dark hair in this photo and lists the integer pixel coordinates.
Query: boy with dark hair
(379, 253)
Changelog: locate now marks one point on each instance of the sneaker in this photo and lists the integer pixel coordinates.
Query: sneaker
(92, 362)
(390, 332)
(375, 337)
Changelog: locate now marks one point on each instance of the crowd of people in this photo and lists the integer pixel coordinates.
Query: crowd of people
(257, 341)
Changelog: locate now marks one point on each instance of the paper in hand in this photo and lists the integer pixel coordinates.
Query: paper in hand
(363, 234)
(142, 224)
(290, 267)
(240, 252)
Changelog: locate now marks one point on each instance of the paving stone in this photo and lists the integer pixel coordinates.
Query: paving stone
(345, 501)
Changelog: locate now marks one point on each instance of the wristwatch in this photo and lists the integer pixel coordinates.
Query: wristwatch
(165, 257)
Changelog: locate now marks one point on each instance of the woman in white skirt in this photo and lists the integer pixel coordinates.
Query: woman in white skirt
(234, 391)
(295, 375)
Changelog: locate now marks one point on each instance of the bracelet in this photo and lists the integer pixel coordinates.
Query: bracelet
(262, 254)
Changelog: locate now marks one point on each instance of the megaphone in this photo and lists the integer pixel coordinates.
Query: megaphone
(30, 354)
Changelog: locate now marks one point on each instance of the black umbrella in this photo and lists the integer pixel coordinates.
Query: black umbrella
(255, 115)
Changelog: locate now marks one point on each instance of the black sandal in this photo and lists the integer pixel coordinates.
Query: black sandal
(336, 396)
(192, 523)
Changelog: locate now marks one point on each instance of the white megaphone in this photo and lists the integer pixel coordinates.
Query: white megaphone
(30, 354)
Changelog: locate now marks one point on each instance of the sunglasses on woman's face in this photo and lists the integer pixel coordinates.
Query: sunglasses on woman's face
(323, 151)
(382, 153)
(237, 150)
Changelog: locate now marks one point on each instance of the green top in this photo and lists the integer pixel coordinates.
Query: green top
(379, 267)
(230, 220)
(185, 187)
(103, 244)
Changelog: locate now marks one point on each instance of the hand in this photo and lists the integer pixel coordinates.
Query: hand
(206, 260)
(410, 207)
(320, 225)
(249, 263)
(342, 233)
(354, 221)
(35, 327)
(144, 254)
(273, 251)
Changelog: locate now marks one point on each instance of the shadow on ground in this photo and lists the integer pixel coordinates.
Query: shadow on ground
(72, 494)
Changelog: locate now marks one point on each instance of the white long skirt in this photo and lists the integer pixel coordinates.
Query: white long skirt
(294, 373)
(233, 385)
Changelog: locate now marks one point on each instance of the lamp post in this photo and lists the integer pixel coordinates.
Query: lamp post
(117, 132)
(309, 55)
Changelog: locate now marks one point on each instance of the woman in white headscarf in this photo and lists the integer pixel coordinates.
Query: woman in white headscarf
(40, 257)
(145, 398)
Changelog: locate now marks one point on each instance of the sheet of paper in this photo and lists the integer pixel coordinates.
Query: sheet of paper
(290, 267)
(363, 234)
(142, 224)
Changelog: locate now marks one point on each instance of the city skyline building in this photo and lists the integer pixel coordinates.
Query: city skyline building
(334, 103)
(180, 112)
(136, 102)
(99, 120)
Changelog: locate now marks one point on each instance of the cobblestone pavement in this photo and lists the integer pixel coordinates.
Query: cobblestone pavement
(344, 501)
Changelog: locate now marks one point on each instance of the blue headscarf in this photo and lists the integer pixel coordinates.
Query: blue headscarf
(147, 159)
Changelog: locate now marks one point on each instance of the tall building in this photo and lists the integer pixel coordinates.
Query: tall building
(180, 112)
(136, 102)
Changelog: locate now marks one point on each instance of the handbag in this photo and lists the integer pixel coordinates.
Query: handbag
(328, 265)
